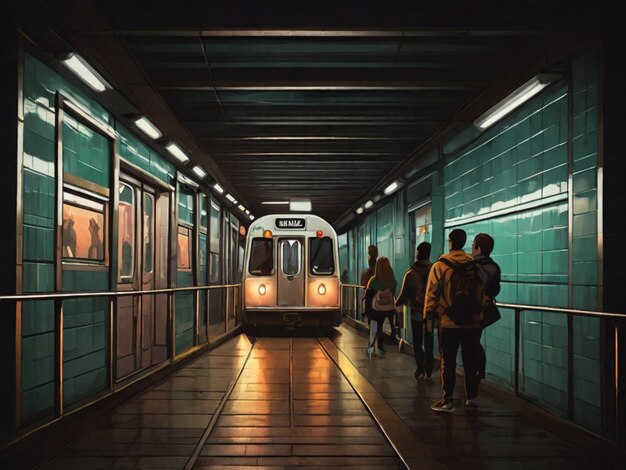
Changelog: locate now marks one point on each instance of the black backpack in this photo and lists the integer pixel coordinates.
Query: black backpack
(466, 292)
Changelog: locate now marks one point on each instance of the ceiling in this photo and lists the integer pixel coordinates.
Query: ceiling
(284, 103)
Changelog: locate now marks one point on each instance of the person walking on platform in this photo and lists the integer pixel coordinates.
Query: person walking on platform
(413, 293)
(379, 301)
(454, 294)
(489, 272)
(367, 273)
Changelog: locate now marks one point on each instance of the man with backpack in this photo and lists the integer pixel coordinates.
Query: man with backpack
(412, 293)
(454, 294)
(489, 272)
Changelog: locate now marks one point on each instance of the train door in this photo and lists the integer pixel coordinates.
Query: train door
(142, 265)
(291, 272)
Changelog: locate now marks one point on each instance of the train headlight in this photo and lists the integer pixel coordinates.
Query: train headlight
(262, 289)
(321, 289)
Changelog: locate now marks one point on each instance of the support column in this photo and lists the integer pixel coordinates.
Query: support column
(11, 132)
(612, 125)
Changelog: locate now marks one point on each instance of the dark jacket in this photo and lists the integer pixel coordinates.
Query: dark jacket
(414, 283)
(489, 273)
(372, 287)
(366, 274)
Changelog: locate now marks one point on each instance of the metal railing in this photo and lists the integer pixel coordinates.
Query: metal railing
(350, 296)
(231, 302)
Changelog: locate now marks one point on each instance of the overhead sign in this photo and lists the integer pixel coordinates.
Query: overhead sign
(294, 224)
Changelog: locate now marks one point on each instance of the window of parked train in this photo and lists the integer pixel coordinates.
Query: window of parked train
(262, 257)
(83, 229)
(126, 233)
(321, 260)
(291, 257)
(184, 248)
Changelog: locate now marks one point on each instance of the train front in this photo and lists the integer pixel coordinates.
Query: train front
(291, 272)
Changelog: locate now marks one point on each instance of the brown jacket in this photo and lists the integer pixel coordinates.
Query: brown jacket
(438, 291)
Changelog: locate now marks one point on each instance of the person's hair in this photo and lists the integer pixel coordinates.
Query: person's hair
(485, 243)
(423, 251)
(383, 273)
(458, 238)
(372, 251)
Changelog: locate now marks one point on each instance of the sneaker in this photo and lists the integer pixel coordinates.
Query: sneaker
(419, 374)
(380, 352)
(445, 404)
(471, 404)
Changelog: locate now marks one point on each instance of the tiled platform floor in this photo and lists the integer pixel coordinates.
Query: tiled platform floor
(293, 407)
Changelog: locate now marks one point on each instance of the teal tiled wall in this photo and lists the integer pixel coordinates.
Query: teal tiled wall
(585, 268)
(86, 154)
(136, 152)
(85, 336)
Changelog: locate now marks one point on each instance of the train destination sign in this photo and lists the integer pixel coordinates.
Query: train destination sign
(291, 223)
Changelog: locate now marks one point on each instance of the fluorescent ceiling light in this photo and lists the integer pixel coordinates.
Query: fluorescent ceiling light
(251, 217)
(177, 152)
(218, 188)
(148, 128)
(303, 205)
(247, 212)
(359, 210)
(369, 204)
(231, 198)
(241, 208)
(199, 171)
(514, 100)
(85, 72)
(275, 202)
(391, 188)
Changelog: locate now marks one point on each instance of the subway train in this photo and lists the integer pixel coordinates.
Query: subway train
(291, 272)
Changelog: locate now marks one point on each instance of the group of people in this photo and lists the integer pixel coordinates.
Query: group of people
(454, 291)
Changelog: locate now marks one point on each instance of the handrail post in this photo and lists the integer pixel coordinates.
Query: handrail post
(517, 348)
(112, 343)
(354, 305)
(58, 358)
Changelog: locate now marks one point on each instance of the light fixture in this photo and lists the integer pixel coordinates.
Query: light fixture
(177, 152)
(359, 210)
(262, 289)
(302, 205)
(268, 203)
(247, 212)
(514, 100)
(321, 289)
(148, 128)
(85, 72)
(241, 208)
(368, 204)
(231, 198)
(391, 188)
(218, 188)
(251, 217)
(199, 171)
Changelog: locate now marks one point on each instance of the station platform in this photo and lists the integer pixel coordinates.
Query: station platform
(313, 402)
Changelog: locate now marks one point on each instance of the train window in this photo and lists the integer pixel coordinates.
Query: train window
(148, 222)
(291, 257)
(262, 257)
(126, 233)
(184, 258)
(214, 267)
(83, 229)
(321, 256)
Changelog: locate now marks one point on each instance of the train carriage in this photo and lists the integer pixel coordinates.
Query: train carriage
(291, 272)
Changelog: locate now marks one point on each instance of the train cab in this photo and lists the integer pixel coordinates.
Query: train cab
(291, 272)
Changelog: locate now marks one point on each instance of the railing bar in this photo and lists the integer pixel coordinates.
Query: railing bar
(76, 295)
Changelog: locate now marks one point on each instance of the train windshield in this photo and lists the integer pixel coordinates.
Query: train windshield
(262, 257)
(321, 252)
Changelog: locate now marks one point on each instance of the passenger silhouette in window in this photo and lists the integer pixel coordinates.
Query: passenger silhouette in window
(95, 249)
(69, 235)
